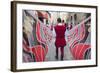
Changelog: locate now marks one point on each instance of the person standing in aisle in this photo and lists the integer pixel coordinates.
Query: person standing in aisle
(60, 41)
(70, 26)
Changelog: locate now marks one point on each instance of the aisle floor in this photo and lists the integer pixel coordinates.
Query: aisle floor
(52, 52)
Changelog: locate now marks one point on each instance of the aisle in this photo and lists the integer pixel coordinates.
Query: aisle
(52, 52)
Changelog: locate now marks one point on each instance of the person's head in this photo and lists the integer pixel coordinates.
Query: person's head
(59, 20)
(62, 21)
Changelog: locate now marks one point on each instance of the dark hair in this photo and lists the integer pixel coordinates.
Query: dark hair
(59, 20)
(62, 21)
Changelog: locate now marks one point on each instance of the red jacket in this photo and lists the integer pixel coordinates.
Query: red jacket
(60, 35)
